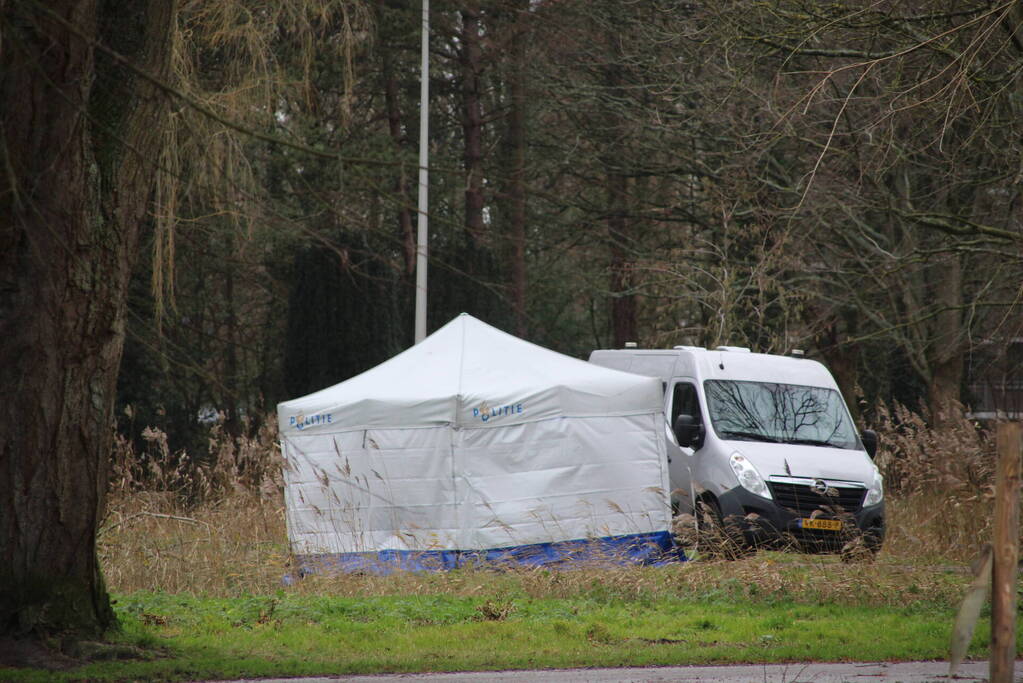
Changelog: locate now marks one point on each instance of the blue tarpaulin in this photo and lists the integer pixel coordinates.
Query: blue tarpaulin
(654, 549)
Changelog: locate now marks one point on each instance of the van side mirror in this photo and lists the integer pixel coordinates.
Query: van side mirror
(688, 431)
(869, 439)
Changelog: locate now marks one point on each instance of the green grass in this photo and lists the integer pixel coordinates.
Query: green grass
(221, 612)
(501, 625)
(199, 594)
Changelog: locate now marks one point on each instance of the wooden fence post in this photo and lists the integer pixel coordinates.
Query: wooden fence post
(1009, 439)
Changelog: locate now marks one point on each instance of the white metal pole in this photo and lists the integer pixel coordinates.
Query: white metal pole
(424, 136)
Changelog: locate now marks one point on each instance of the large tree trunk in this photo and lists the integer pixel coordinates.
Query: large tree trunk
(73, 195)
(623, 299)
(842, 359)
(406, 230)
(620, 228)
(472, 121)
(517, 180)
(945, 354)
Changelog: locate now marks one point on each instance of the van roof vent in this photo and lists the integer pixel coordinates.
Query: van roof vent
(631, 345)
(734, 349)
(797, 353)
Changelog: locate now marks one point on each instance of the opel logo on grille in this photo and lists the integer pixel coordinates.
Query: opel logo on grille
(820, 487)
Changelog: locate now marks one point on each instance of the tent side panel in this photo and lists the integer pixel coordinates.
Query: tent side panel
(560, 480)
(369, 491)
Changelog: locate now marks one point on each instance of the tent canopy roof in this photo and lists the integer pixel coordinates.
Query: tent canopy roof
(470, 374)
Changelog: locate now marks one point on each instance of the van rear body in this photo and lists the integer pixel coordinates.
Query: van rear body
(765, 443)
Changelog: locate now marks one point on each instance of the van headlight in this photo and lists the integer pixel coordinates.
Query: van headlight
(875, 494)
(748, 476)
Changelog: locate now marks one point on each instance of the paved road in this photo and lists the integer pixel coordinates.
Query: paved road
(901, 672)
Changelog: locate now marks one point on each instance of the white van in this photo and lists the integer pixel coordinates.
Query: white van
(763, 445)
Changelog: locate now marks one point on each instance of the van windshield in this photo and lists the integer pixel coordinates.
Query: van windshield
(779, 413)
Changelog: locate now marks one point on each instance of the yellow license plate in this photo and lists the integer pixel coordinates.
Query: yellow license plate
(825, 524)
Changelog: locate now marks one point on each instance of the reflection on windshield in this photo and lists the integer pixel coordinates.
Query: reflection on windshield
(780, 413)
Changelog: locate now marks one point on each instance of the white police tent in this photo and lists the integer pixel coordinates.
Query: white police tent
(476, 446)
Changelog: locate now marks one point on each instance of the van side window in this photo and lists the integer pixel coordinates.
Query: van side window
(684, 400)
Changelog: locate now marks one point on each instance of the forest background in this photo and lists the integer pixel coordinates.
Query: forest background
(843, 178)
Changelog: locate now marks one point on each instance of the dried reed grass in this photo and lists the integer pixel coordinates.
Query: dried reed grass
(215, 526)
(212, 524)
(939, 481)
(956, 458)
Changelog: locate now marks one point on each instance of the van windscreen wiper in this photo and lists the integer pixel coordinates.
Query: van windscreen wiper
(814, 442)
(748, 436)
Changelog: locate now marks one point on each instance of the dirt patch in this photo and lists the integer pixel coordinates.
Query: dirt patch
(57, 655)
(26, 653)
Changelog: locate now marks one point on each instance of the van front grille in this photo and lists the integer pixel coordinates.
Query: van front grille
(803, 500)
